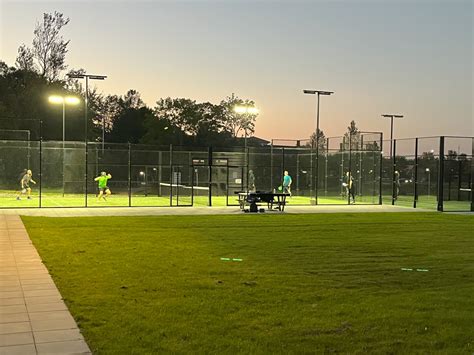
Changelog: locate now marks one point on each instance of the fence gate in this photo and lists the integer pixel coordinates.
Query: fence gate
(181, 186)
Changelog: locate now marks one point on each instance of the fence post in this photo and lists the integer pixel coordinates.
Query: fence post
(349, 188)
(394, 166)
(209, 161)
(316, 180)
(415, 183)
(129, 175)
(471, 177)
(326, 170)
(86, 177)
(247, 167)
(282, 167)
(40, 169)
(380, 168)
(171, 175)
(441, 174)
(271, 166)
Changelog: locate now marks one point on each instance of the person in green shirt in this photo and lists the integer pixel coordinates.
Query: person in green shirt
(103, 188)
(287, 183)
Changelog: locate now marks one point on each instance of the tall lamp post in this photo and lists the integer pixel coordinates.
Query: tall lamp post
(86, 102)
(319, 93)
(64, 100)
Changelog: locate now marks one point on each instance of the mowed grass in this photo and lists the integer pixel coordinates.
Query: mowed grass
(306, 283)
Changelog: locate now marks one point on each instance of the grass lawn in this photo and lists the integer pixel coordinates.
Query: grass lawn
(306, 283)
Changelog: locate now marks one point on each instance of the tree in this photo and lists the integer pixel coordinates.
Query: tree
(353, 136)
(132, 99)
(124, 117)
(25, 59)
(322, 141)
(48, 55)
(238, 124)
(452, 155)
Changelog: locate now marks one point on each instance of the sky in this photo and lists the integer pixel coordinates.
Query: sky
(398, 57)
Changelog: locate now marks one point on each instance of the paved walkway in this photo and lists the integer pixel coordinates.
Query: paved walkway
(156, 211)
(33, 317)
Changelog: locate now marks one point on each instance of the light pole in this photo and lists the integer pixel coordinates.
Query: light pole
(70, 100)
(86, 102)
(319, 93)
(391, 130)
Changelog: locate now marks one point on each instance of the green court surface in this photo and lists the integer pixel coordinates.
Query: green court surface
(428, 202)
(57, 199)
(332, 283)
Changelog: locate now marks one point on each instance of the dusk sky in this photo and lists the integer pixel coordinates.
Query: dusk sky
(409, 57)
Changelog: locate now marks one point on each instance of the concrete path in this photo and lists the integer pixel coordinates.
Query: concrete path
(33, 317)
(157, 211)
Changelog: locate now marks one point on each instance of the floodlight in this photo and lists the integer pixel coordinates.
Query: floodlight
(97, 77)
(392, 116)
(72, 100)
(240, 109)
(319, 92)
(56, 99)
(76, 76)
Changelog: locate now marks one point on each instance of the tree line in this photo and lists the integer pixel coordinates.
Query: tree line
(39, 72)
(25, 87)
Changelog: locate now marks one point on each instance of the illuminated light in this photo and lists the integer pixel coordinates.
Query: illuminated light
(142, 173)
(427, 169)
(72, 100)
(240, 109)
(246, 109)
(252, 110)
(56, 99)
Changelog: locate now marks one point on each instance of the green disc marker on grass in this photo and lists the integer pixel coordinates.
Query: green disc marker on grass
(231, 259)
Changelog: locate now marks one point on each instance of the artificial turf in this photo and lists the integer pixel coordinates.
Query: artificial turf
(306, 283)
(57, 199)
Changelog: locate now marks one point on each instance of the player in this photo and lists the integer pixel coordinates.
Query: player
(25, 185)
(349, 185)
(102, 179)
(287, 183)
(397, 185)
(252, 187)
